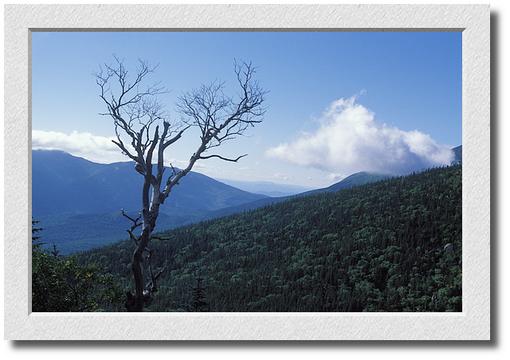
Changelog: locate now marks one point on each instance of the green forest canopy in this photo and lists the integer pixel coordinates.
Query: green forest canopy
(394, 245)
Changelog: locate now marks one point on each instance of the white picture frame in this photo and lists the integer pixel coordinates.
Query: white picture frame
(473, 323)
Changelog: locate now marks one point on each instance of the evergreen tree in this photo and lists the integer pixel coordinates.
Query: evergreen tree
(35, 231)
(60, 284)
(198, 294)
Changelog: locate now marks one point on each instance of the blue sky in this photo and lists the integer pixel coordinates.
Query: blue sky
(401, 96)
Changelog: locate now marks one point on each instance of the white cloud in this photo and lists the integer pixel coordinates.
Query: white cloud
(349, 139)
(92, 147)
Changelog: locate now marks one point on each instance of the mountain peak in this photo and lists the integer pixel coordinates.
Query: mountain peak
(359, 178)
(457, 151)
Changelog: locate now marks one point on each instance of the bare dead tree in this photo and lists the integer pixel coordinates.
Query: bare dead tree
(143, 134)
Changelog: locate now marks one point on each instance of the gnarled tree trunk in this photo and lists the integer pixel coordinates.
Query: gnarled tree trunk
(135, 111)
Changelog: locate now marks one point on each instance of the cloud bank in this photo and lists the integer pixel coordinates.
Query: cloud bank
(92, 147)
(349, 139)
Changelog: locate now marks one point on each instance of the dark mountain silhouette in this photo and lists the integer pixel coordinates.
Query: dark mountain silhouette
(62, 183)
(458, 154)
(356, 179)
(78, 201)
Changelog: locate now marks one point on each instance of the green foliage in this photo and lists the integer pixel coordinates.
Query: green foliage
(394, 245)
(199, 303)
(60, 284)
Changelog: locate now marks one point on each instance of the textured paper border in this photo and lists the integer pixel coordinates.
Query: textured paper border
(473, 323)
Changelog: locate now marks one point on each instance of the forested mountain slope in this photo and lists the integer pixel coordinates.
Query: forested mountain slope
(359, 178)
(394, 245)
(356, 179)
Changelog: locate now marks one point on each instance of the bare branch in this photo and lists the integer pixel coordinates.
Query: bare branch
(222, 158)
(135, 221)
(135, 224)
(151, 287)
(175, 138)
(220, 118)
(143, 132)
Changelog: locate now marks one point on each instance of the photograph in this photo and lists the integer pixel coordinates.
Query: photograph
(246, 171)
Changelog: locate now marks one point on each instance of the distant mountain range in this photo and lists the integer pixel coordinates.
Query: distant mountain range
(267, 188)
(62, 183)
(78, 202)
